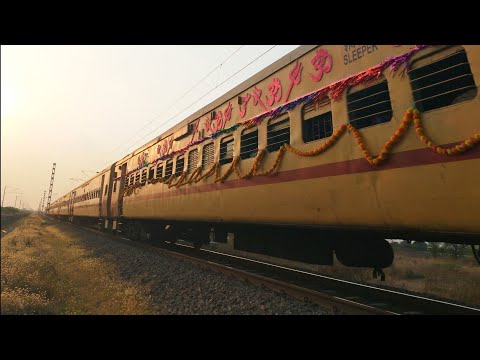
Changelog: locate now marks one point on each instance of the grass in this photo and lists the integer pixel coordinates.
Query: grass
(441, 277)
(45, 271)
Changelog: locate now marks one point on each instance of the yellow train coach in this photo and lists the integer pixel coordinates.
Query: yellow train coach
(329, 150)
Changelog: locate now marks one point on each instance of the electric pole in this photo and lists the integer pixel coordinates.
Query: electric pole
(43, 201)
(51, 186)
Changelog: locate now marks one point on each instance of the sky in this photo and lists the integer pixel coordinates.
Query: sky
(84, 107)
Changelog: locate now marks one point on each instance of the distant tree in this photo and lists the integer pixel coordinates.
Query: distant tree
(456, 250)
(434, 249)
(405, 244)
(420, 246)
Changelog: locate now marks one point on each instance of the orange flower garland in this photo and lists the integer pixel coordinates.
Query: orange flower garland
(275, 165)
(228, 172)
(409, 115)
(207, 174)
(169, 180)
(253, 170)
(388, 145)
(180, 178)
(333, 139)
(464, 146)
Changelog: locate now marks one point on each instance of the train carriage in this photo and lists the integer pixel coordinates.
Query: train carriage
(331, 149)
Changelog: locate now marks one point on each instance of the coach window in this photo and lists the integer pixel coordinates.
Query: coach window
(159, 170)
(369, 106)
(208, 154)
(151, 172)
(317, 121)
(144, 176)
(179, 165)
(249, 143)
(168, 169)
(226, 150)
(442, 78)
(278, 133)
(192, 160)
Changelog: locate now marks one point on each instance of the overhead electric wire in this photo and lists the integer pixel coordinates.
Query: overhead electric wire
(181, 97)
(173, 117)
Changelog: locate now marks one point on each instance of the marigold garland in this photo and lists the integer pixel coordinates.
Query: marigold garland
(327, 144)
(255, 165)
(222, 178)
(374, 161)
(388, 145)
(193, 176)
(460, 148)
(275, 165)
(207, 174)
(180, 178)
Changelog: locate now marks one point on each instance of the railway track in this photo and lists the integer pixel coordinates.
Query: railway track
(340, 296)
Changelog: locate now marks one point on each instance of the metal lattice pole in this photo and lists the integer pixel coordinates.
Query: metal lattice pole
(51, 186)
(43, 201)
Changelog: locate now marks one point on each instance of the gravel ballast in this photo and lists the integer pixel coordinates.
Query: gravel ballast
(179, 287)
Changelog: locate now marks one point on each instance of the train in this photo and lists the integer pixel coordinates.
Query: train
(329, 151)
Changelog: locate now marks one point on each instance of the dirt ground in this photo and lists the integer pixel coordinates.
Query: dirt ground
(46, 272)
(442, 277)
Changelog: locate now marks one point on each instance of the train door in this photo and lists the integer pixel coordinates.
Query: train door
(101, 197)
(117, 191)
(71, 203)
(109, 191)
(121, 186)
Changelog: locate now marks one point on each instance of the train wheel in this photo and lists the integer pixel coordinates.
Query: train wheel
(197, 245)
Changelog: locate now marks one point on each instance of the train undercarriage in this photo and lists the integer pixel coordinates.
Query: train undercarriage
(317, 246)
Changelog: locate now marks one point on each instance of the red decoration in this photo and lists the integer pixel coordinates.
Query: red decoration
(228, 113)
(275, 90)
(142, 159)
(322, 62)
(243, 106)
(257, 94)
(295, 77)
(165, 147)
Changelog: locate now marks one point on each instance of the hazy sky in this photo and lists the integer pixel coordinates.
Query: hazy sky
(83, 107)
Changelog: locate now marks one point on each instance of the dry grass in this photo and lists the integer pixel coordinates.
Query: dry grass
(441, 277)
(45, 271)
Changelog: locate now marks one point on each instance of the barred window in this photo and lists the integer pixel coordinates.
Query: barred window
(278, 133)
(445, 81)
(317, 121)
(179, 165)
(192, 160)
(369, 106)
(151, 172)
(208, 154)
(168, 169)
(144, 176)
(226, 150)
(132, 179)
(159, 170)
(249, 143)
(137, 177)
